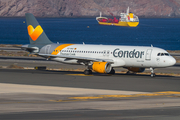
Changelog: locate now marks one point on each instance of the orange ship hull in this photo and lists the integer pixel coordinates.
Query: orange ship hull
(120, 23)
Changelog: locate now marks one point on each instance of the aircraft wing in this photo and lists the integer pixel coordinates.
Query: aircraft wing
(77, 58)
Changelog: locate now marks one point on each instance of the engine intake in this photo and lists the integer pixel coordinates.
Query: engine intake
(101, 67)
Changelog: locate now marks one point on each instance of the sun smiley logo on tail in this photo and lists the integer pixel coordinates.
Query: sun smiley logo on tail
(34, 33)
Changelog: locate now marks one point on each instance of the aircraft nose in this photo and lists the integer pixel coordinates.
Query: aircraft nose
(172, 61)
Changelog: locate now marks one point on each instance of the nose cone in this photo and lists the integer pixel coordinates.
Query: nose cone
(172, 61)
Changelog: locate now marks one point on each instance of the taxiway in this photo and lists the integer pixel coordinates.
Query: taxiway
(68, 94)
(34, 94)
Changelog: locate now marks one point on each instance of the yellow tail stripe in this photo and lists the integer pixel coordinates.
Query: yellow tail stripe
(59, 48)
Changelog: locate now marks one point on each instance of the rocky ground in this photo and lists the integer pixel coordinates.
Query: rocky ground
(81, 8)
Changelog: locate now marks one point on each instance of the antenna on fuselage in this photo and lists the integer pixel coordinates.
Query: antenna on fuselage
(151, 45)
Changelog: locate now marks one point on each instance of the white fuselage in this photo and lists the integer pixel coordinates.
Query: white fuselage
(122, 56)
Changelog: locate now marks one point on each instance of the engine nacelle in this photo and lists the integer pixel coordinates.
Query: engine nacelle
(101, 67)
(135, 69)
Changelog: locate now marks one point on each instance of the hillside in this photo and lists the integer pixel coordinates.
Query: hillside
(81, 8)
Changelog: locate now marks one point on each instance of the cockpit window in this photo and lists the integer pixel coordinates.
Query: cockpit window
(166, 54)
(163, 54)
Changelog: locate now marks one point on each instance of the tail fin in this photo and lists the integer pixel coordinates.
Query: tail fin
(37, 35)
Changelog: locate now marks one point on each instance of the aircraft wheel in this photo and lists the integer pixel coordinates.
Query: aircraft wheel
(87, 72)
(128, 72)
(153, 75)
(112, 71)
(152, 72)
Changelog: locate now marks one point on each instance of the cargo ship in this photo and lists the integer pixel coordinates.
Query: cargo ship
(126, 19)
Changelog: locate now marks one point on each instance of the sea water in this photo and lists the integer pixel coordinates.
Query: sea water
(163, 33)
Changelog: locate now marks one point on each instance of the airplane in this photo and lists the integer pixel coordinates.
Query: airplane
(99, 58)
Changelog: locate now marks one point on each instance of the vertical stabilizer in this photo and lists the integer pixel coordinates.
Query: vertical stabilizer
(36, 34)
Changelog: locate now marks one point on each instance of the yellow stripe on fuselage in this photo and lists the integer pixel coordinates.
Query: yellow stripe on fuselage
(59, 48)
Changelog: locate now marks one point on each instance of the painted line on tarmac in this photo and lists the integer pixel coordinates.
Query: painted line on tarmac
(87, 75)
(169, 92)
(165, 74)
(101, 97)
(79, 75)
(164, 93)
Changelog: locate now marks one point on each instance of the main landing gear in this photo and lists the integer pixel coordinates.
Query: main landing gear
(87, 72)
(152, 72)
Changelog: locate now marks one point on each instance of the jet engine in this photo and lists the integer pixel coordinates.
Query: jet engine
(135, 69)
(101, 67)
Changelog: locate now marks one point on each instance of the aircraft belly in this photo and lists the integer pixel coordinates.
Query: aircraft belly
(65, 60)
(118, 62)
(135, 62)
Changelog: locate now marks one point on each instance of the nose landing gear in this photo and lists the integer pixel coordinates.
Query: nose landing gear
(152, 72)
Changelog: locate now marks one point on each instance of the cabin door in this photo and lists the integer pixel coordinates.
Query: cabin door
(47, 49)
(148, 54)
